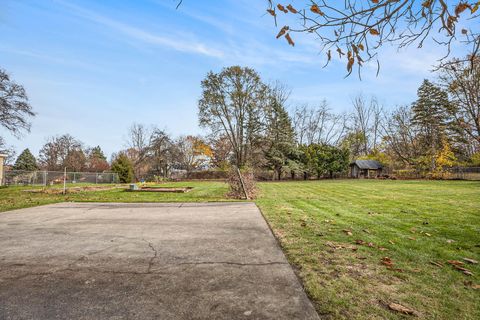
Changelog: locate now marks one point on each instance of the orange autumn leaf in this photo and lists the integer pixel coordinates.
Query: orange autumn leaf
(289, 39)
(315, 9)
(291, 9)
(281, 8)
(282, 31)
(374, 32)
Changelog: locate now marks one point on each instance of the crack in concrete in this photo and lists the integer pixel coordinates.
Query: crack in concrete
(148, 271)
(152, 259)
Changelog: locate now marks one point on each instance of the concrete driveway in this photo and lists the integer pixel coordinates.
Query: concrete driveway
(145, 261)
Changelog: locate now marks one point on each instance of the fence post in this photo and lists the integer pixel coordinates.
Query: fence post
(45, 178)
(96, 177)
(65, 181)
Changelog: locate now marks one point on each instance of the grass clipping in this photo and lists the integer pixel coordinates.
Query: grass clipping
(242, 184)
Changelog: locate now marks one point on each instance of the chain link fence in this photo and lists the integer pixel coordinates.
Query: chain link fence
(454, 173)
(46, 178)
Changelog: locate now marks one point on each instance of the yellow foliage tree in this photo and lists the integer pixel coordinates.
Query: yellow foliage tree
(445, 158)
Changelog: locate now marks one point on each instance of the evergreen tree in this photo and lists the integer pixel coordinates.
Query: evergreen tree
(123, 167)
(26, 161)
(429, 114)
(97, 153)
(280, 138)
(97, 162)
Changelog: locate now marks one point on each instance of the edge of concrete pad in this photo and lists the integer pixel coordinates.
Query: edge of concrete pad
(294, 268)
(79, 204)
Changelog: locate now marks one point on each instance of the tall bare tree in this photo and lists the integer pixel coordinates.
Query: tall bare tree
(366, 122)
(232, 104)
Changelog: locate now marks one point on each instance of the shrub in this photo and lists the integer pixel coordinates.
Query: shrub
(123, 167)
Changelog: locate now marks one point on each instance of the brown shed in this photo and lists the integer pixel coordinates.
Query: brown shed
(365, 169)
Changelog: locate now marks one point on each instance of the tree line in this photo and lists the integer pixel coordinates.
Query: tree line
(440, 129)
(251, 124)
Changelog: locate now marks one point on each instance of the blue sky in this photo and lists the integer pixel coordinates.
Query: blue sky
(92, 68)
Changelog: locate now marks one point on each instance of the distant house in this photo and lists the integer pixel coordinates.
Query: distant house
(365, 169)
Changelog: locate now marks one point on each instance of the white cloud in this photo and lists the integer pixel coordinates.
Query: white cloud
(139, 34)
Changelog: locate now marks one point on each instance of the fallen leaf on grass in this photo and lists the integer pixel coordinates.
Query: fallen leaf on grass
(412, 238)
(348, 232)
(387, 261)
(366, 231)
(382, 249)
(463, 270)
(455, 262)
(471, 261)
(436, 263)
(428, 234)
(450, 241)
(371, 245)
(402, 309)
(391, 242)
(359, 242)
(470, 284)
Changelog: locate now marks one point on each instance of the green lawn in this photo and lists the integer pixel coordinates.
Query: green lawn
(318, 224)
(411, 222)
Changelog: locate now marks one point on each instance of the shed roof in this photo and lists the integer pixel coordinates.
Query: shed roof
(368, 164)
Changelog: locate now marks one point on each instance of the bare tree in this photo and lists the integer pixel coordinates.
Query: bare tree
(462, 82)
(137, 142)
(56, 151)
(15, 109)
(318, 125)
(355, 30)
(161, 153)
(366, 122)
(232, 104)
(401, 135)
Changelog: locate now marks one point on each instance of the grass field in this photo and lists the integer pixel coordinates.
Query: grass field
(410, 222)
(336, 234)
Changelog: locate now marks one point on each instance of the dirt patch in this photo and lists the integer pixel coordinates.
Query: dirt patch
(163, 189)
(73, 189)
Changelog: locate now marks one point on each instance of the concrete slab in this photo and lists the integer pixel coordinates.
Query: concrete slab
(145, 261)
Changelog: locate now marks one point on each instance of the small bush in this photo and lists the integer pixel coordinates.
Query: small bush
(124, 168)
(236, 188)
